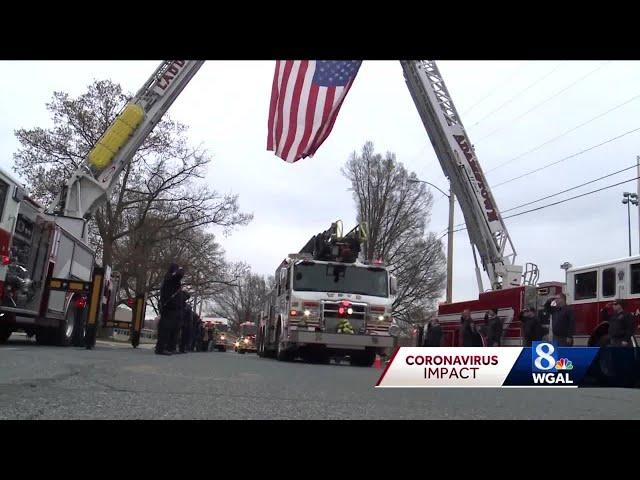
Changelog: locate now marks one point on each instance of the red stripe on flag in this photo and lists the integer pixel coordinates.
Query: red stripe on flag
(295, 105)
(329, 126)
(272, 106)
(308, 122)
(328, 103)
(281, 96)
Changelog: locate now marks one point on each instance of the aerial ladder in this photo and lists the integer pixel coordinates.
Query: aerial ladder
(89, 186)
(62, 277)
(487, 232)
(92, 182)
(332, 245)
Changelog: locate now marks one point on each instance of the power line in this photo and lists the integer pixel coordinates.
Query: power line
(560, 201)
(510, 122)
(563, 191)
(569, 189)
(493, 90)
(565, 133)
(565, 158)
(518, 94)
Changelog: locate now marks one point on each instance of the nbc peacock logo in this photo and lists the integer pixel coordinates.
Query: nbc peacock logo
(564, 364)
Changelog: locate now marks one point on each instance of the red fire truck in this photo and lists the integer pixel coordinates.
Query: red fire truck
(588, 288)
(49, 283)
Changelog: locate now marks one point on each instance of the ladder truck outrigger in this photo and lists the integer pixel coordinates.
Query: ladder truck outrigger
(589, 289)
(327, 304)
(50, 285)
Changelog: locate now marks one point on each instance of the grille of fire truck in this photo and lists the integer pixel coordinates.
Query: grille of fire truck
(331, 316)
(378, 326)
(302, 323)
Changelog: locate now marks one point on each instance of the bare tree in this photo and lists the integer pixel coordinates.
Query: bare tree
(244, 301)
(159, 196)
(396, 213)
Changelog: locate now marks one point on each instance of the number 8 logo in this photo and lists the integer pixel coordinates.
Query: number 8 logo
(544, 354)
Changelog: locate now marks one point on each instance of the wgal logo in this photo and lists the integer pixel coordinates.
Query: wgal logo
(546, 367)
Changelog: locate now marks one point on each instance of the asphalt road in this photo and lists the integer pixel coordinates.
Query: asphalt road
(114, 381)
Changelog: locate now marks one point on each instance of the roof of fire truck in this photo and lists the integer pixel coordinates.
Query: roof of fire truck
(295, 257)
(634, 258)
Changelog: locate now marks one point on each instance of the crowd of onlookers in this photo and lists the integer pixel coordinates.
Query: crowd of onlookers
(180, 329)
(535, 325)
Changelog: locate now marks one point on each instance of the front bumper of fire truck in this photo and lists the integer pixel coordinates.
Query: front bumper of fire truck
(246, 345)
(341, 340)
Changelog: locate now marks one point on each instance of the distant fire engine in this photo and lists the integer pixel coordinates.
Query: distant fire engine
(326, 303)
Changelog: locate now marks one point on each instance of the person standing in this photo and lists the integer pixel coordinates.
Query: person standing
(185, 331)
(563, 320)
(621, 325)
(169, 308)
(433, 338)
(494, 328)
(467, 330)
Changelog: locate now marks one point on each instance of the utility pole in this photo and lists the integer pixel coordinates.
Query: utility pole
(452, 200)
(628, 200)
(638, 193)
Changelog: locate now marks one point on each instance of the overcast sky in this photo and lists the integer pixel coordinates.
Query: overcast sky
(226, 107)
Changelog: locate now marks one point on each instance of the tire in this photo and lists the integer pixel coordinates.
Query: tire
(260, 347)
(5, 333)
(282, 355)
(363, 359)
(63, 334)
(44, 336)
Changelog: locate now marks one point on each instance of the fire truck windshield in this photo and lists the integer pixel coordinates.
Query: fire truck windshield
(247, 330)
(318, 277)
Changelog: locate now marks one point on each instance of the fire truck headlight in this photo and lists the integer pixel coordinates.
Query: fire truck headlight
(394, 330)
(246, 340)
(222, 337)
(350, 311)
(380, 318)
(307, 313)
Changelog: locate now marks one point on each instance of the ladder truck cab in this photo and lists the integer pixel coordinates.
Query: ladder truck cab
(246, 341)
(327, 304)
(49, 283)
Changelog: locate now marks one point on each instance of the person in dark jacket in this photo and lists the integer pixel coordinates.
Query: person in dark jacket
(621, 325)
(185, 331)
(532, 328)
(494, 328)
(562, 319)
(433, 338)
(467, 330)
(195, 330)
(170, 307)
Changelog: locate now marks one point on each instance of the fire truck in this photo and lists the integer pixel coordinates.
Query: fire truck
(326, 303)
(589, 289)
(50, 285)
(246, 341)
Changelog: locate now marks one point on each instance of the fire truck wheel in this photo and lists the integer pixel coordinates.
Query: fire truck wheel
(282, 355)
(44, 336)
(363, 359)
(63, 335)
(5, 333)
(260, 346)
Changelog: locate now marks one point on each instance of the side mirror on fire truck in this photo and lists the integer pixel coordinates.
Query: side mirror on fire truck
(19, 193)
(394, 285)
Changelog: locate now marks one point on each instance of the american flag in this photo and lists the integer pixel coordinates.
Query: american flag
(305, 100)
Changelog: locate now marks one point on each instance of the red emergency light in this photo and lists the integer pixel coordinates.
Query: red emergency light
(80, 302)
(5, 260)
